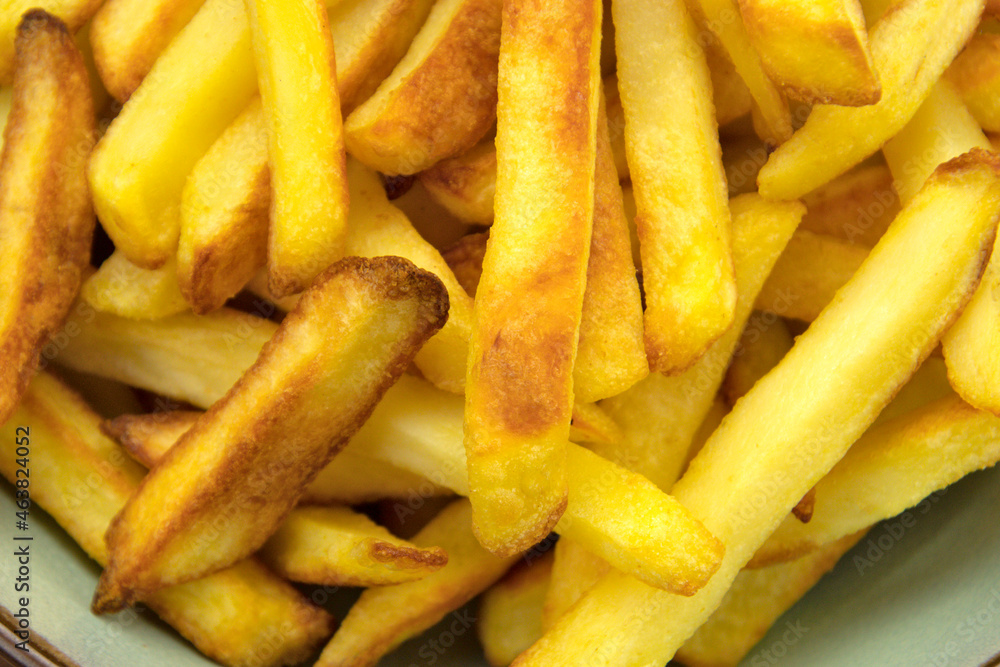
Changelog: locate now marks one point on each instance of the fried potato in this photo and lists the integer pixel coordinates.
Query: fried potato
(660, 415)
(350, 478)
(297, 74)
(764, 342)
(755, 601)
(465, 259)
(574, 571)
(122, 288)
(72, 13)
(928, 384)
(730, 96)
(816, 51)
(465, 184)
(891, 468)
(46, 220)
(755, 468)
(510, 612)
(856, 207)
(808, 274)
(592, 425)
(248, 459)
(519, 387)
(385, 617)
(441, 98)
(680, 188)
(911, 46)
(243, 615)
(129, 35)
(224, 209)
(975, 72)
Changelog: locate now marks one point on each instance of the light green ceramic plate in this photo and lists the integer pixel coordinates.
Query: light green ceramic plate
(928, 595)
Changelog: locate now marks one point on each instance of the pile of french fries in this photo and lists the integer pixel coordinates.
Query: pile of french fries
(706, 288)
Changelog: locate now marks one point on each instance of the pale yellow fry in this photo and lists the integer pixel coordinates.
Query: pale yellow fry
(510, 612)
(74, 13)
(519, 391)
(889, 469)
(680, 188)
(297, 75)
(124, 289)
(730, 95)
(764, 342)
(385, 617)
(928, 384)
(574, 571)
(661, 414)
(129, 35)
(789, 430)
(856, 207)
(976, 74)
(911, 46)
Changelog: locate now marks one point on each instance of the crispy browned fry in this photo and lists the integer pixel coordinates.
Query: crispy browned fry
(976, 74)
(808, 274)
(46, 219)
(243, 616)
(383, 618)
(122, 288)
(856, 207)
(129, 35)
(248, 459)
(816, 50)
(519, 391)
(465, 184)
(755, 601)
(350, 478)
(441, 98)
(465, 258)
(510, 612)
(763, 343)
(72, 13)
(574, 570)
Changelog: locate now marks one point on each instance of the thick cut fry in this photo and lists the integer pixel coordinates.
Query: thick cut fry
(680, 188)
(764, 342)
(336, 546)
(808, 274)
(510, 613)
(519, 391)
(248, 459)
(73, 13)
(46, 220)
(660, 415)
(350, 478)
(730, 96)
(129, 35)
(297, 74)
(755, 601)
(441, 98)
(911, 46)
(891, 468)
(789, 430)
(122, 288)
(224, 207)
(856, 207)
(976, 74)
(574, 571)
(383, 618)
(243, 616)
(465, 184)
(817, 51)
(928, 384)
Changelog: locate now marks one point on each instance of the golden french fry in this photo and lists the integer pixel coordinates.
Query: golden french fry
(911, 46)
(385, 617)
(730, 96)
(46, 220)
(928, 384)
(441, 98)
(124, 289)
(465, 184)
(510, 612)
(856, 207)
(975, 72)
(72, 13)
(519, 388)
(574, 571)
(242, 616)
(756, 467)
(891, 468)
(680, 188)
(129, 35)
(592, 425)
(248, 459)
(465, 258)
(764, 342)
(297, 74)
(816, 50)
(808, 274)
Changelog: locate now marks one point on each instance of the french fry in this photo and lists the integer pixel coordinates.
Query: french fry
(383, 618)
(465, 258)
(129, 35)
(928, 384)
(891, 468)
(248, 459)
(297, 74)
(241, 616)
(519, 387)
(441, 98)
(808, 274)
(592, 425)
(574, 571)
(660, 415)
(911, 46)
(350, 478)
(73, 13)
(680, 189)
(856, 207)
(764, 342)
(755, 601)
(975, 72)
(816, 51)
(122, 288)
(730, 96)
(510, 612)
(46, 220)
(465, 184)
(911, 287)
